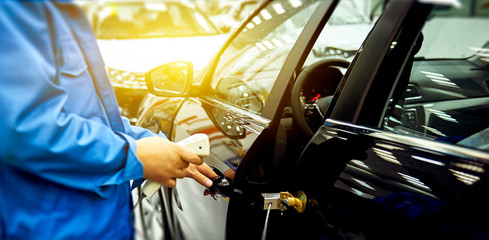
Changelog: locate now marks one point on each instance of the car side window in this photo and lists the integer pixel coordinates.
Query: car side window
(248, 68)
(447, 97)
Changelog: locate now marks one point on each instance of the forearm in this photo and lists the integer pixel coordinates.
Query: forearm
(52, 125)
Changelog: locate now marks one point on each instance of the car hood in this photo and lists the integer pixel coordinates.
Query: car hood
(141, 55)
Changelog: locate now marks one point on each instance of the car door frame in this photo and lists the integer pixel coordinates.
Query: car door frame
(279, 95)
(264, 147)
(269, 121)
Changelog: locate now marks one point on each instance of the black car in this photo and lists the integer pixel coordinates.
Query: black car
(334, 120)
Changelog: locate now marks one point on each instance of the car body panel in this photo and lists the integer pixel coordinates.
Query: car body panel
(440, 171)
(405, 186)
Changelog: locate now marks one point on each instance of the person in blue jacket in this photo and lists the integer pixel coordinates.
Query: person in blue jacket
(66, 155)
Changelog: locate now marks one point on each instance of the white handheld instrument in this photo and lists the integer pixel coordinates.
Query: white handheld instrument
(197, 143)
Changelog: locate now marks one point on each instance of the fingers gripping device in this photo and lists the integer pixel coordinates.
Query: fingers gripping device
(197, 143)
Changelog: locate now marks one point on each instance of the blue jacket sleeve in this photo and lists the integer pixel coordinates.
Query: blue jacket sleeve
(138, 133)
(39, 135)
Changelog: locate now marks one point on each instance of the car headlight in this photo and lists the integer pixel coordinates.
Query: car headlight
(125, 79)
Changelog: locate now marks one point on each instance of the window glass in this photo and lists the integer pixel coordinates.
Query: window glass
(332, 52)
(344, 33)
(447, 98)
(245, 9)
(249, 67)
(476, 8)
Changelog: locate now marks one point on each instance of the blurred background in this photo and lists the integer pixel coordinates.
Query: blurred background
(135, 36)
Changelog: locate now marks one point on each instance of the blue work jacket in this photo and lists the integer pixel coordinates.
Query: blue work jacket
(66, 154)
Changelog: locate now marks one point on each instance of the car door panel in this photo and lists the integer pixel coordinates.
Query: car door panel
(158, 114)
(220, 121)
(434, 169)
(403, 182)
(228, 147)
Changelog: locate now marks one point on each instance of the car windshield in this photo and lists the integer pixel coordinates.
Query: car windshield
(255, 57)
(123, 20)
(448, 28)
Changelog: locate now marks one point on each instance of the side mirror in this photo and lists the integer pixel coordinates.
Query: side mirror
(170, 80)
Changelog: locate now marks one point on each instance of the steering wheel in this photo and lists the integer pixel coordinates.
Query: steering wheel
(312, 93)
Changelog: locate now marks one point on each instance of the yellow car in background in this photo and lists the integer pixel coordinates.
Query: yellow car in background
(136, 36)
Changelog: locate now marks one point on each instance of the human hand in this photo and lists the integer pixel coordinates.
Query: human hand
(222, 184)
(164, 161)
(201, 173)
